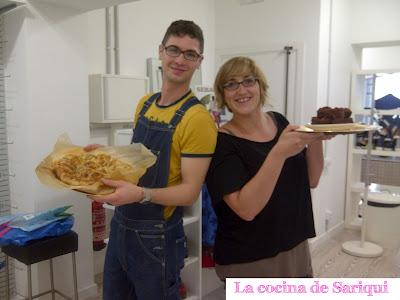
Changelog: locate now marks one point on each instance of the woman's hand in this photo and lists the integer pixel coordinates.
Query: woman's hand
(125, 193)
(292, 142)
(322, 137)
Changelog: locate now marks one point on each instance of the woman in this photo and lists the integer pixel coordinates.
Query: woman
(259, 181)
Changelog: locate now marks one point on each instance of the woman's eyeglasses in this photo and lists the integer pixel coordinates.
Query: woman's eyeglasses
(175, 52)
(234, 85)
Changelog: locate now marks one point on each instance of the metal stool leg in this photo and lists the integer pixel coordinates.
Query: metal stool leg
(52, 279)
(74, 275)
(7, 277)
(29, 283)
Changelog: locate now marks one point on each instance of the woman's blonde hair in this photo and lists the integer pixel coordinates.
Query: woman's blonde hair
(239, 66)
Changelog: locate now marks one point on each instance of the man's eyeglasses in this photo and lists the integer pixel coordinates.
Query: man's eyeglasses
(175, 52)
(234, 85)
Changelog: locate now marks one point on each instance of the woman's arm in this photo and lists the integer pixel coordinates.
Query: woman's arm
(255, 194)
(315, 162)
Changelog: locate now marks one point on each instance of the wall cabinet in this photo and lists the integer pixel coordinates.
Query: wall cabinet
(113, 98)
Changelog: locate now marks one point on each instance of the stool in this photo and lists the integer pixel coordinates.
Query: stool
(40, 250)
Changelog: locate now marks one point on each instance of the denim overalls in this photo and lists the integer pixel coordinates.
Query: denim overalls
(146, 252)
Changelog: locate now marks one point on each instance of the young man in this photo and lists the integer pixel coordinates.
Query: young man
(146, 249)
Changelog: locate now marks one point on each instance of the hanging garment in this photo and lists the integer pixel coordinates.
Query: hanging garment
(209, 229)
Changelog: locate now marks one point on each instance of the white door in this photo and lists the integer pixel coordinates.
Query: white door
(273, 61)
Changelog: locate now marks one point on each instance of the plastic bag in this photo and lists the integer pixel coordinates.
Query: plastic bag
(33, 221)
(21, 237)
(137, 156)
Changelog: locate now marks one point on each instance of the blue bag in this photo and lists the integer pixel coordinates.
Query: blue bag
(19, 237)
(21, 228)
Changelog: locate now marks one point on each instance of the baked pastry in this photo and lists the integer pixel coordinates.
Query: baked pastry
(329, 115)
(84, 169)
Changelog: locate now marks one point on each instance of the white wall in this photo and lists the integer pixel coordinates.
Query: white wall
(275, 22)
(374, 20)
(142, 27)
(333, 90)
(47, 59)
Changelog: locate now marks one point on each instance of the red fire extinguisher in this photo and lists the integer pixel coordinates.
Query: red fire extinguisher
(98, 225)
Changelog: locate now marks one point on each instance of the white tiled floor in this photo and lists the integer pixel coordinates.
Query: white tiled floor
(218, 294)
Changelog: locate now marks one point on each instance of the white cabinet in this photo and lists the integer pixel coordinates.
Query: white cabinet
(113, 98)
(361, 91)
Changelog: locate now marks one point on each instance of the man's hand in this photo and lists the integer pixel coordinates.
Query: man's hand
(92, 147)
(125, 193)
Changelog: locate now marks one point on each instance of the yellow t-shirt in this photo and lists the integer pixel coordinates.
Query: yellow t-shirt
(194, 136)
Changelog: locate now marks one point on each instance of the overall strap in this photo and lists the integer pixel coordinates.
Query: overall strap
(181, 111)
(148, 102)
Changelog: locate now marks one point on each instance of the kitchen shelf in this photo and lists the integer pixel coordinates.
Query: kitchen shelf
(376, 71)
(191, 260)
(108, 206)
(389, 112)
(190, 219)
(377, 152)
(355, 187)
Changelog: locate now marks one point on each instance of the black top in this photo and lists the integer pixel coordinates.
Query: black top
(282, 224)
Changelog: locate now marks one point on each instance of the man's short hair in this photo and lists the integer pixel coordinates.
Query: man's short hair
(183, 27)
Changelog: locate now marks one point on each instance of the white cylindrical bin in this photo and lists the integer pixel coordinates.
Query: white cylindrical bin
(383, 225)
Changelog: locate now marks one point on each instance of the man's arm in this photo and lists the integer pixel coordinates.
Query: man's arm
(193, 170)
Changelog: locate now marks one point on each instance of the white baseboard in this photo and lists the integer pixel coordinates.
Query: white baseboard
(318, 240)
(88, 292)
